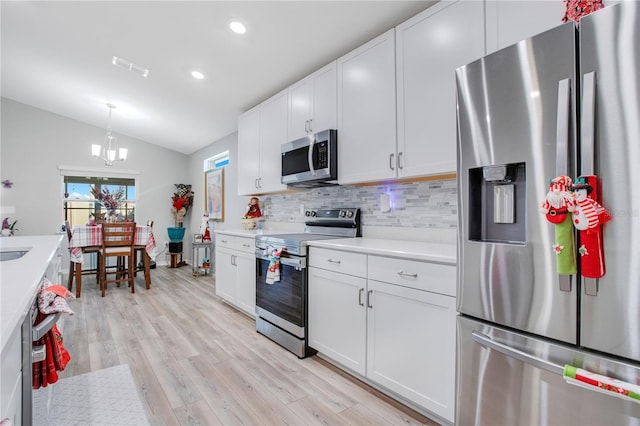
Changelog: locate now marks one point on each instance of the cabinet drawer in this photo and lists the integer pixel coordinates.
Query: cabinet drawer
(339, 261)
(244, 244)
(410, 273)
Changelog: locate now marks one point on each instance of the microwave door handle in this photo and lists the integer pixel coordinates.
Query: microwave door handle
(312, 140)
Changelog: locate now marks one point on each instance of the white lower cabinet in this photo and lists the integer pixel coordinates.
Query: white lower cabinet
(393, 325)
(411, 345)
(236, 271)
(338, 317)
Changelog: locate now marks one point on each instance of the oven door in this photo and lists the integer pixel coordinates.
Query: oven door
(283, 303)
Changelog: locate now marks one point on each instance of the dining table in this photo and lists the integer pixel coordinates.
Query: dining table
(84, 237)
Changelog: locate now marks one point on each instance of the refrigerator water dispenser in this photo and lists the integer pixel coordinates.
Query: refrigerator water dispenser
(497, 200)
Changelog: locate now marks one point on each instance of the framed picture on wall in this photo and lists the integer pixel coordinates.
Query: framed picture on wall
(214, 194)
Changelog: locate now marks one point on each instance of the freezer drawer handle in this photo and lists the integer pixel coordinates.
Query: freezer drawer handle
(516, 353)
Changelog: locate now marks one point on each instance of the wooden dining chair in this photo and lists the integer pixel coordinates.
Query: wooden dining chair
(117, 241)
(73, 265)
(140, 253)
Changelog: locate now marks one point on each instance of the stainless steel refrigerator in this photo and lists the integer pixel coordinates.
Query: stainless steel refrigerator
(563, 103)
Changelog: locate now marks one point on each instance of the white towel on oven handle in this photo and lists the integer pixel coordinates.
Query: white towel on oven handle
(273, 270)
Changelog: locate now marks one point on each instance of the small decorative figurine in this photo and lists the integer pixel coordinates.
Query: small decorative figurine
(254, 209)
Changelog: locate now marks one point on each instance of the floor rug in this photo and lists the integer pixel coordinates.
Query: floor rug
(103, 397)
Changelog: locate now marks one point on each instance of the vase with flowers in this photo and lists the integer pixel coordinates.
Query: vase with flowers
(109, 200)
(181, 200)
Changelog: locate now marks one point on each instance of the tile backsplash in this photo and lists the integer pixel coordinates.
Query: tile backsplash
(430, 204)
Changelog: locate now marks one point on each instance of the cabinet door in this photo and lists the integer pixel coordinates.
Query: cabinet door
(246, 276)
(313, 103)
(273, 133)
(429, 47)
(367, 112)
(508, 22)
(337, 317)
(300, 94)
(411, 345)
(325, 103)
(226, 279)
(249, 151)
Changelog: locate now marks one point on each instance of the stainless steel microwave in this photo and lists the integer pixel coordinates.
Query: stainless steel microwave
(311, 161)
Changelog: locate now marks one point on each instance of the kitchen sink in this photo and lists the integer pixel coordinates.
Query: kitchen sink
(12, 254)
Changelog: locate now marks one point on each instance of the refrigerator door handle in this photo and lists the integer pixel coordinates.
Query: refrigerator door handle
(587, 144)
(587, 149)
(562, 149)
(509, 351)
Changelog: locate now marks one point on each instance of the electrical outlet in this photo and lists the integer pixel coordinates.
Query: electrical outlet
(166, 244)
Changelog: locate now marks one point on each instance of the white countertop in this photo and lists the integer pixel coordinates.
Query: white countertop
(246, 233)
(20, 278)
(414, 250)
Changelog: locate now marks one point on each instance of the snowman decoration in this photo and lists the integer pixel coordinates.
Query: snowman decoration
(557, 206)
(588, 218)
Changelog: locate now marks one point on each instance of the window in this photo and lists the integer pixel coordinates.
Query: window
(80, 205)
(217, 161)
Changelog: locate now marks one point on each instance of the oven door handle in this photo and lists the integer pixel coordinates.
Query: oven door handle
(298, 263)
(43, 328)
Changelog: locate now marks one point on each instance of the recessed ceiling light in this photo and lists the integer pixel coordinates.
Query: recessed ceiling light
(197, 75)
(237, 27)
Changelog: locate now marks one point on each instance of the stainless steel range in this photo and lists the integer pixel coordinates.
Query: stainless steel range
(281, 306)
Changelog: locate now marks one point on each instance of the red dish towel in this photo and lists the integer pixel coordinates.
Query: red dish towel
(46, 372)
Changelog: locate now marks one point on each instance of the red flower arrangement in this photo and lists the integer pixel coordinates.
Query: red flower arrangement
(181, 201)
(109, 200)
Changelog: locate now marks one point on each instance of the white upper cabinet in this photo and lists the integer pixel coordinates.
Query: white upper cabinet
(508, 22)
(312, 103)
(429, 47)
(273, 133)
(367, 111)
(261, 132)
(249, 151)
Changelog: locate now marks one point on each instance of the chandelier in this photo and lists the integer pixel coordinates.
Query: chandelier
(109, 151)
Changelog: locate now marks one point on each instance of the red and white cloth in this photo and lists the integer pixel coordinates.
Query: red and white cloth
(273, 270)
(91, 236)
(51, 300)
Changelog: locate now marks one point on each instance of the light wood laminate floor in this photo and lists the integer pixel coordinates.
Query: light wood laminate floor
(197, 360)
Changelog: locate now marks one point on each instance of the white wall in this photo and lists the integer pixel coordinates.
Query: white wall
(235, 206)
(34, 143)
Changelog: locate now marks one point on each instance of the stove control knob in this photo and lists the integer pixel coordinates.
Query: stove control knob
(307, 213)
(350, 213)
(313, 213)
(342, 213)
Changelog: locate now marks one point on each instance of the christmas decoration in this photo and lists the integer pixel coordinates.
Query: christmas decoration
(588, 218)
(558, 203)
(576, 9)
